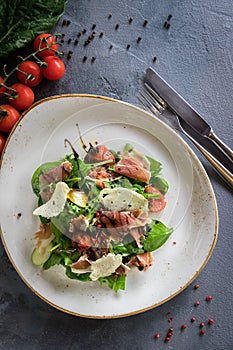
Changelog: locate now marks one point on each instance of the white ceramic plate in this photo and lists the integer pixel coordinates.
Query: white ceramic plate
(191, 208)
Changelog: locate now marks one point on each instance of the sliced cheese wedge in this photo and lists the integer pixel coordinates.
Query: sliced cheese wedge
(56, 203)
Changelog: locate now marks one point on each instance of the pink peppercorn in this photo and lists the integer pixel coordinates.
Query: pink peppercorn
(197, 303)
(202, 332)
(169, 334)
(167, 339)
(157, 335)
(184, 326)
(193, 319)
(97, 214)
(99, 225)
(170, 319)
(196, 286)
(202, 324)
(211, 321)
(209, 297)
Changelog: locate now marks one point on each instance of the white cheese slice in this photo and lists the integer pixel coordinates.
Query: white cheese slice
(56, 203)
(122, 199)
(105, 266)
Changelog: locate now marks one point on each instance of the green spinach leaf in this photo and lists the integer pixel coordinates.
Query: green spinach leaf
(21, 21)
(157, 236)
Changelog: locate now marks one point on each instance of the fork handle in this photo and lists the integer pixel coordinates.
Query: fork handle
(221, 144)
(218, 166)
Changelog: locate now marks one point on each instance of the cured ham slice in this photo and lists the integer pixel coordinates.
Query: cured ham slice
(132, 168)
(57, 174)
(142, 261)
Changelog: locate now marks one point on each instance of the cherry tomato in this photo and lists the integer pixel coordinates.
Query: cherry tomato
(2, 142)
(55, 68)
(2, 88)
(29, 73)
(9, 116)
(44, 40)
(22, 98)
(155, 204)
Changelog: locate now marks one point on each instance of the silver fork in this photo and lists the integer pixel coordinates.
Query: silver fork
(152, 102)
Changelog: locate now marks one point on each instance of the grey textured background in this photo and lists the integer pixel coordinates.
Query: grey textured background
(196, 57)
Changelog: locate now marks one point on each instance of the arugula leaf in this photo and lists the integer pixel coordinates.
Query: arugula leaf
(160, 183)
(155, 166)
(156, 236)
(21, 21)
(84, 277)
(127, 249)
(54, 259)
(114, 282)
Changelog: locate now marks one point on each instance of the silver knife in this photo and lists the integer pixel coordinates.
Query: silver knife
(183, 109)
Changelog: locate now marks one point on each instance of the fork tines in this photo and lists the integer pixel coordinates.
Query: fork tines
(151, 100)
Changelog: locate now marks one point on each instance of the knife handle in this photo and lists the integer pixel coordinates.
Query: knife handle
(218, 166)
(221, 144)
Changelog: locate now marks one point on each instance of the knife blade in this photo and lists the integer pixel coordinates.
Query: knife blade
(184, 110)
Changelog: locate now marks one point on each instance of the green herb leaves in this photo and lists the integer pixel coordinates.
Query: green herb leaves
(21, 21)
(156, 236)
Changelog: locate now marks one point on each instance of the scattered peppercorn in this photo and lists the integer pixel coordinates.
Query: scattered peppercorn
(193, 319)
(197, 303)
(196, 286)
(202, 324)
(169, 334)
(157, 335)
(99, 225)
(209, 298)
(211, 321)
(171, 329)
(69, 55)
(19, 215)
(170, 319)
(130, 19)
(184, 326)
(145, 23)
(167, 339)
(202, 332)
(174, 242)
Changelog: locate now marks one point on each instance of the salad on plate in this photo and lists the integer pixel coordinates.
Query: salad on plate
(97, 214)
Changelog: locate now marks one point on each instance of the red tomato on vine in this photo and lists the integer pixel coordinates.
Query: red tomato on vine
(8, 117)
(45, 40)
(22, 96)
(29, 73)
(2, 88)
(2, 142)
(55, 68)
